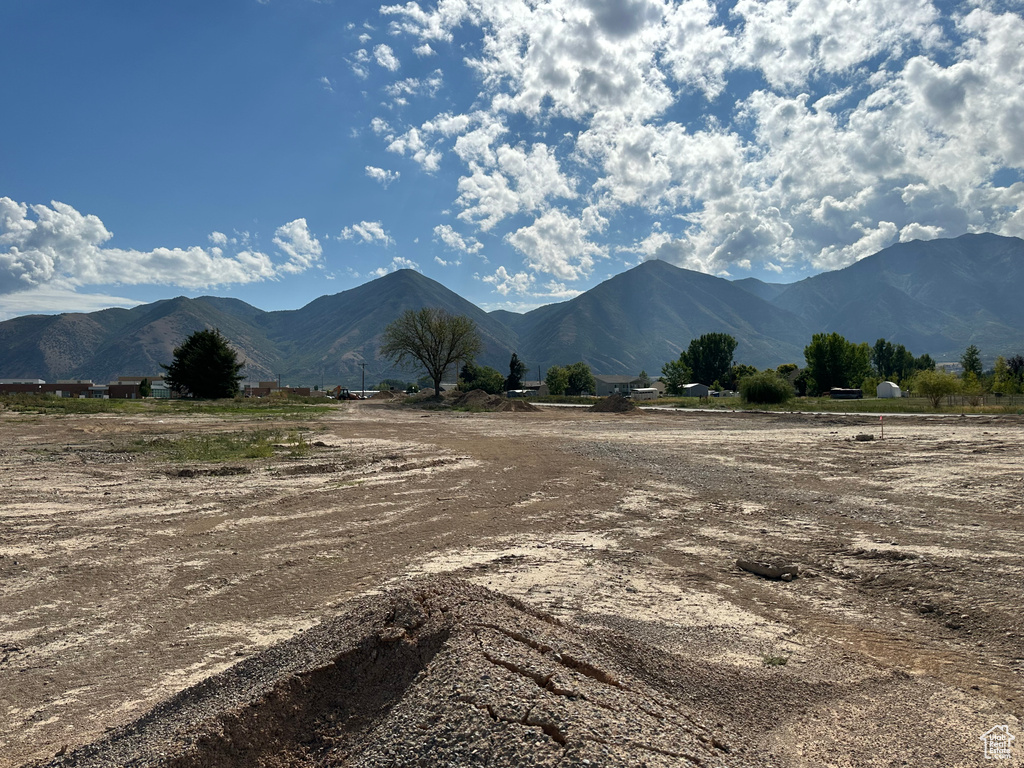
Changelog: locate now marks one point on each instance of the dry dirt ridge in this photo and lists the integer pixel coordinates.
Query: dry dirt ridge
(427, 587)
(438, 673)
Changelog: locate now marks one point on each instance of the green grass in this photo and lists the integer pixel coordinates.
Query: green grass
(774, 661)
(69, 405)
(290, 408)
(232, 446)
(867, 405)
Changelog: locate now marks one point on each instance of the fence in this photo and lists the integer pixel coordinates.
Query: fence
(963, 401)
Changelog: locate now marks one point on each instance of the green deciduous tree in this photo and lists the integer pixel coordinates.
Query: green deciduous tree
(736, 373)
(676, 374)
(516, 369)
(557, 379)
(935, 385)
(643, 379)
(481, 377)
(432, 337)
(145, 388)
(710, 357)
(766, 388)
(581, 380)
(1002, 381)
(892, 362)
(204, 366)
(832, 362)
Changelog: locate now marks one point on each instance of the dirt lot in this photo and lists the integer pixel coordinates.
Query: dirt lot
(124, 580)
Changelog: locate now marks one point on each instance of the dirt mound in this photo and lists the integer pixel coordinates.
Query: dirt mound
(387, 394)
(437, 673)
(615, 404)
(518, 406)
(479, 399)
(476, 398)
(423, 394)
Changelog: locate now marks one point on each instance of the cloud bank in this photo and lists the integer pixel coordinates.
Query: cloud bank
(58, 248)
(782, 137)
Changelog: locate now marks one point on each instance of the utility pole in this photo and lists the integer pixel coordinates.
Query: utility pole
(363, 366)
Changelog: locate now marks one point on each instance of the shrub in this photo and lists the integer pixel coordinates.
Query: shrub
(765, 388)
(935, 385)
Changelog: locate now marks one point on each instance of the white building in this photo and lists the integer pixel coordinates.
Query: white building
(888, 389)
(696, 390)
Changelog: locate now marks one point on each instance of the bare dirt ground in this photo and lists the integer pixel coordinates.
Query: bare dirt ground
(123, 580)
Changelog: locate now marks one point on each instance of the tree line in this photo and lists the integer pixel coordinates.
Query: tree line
(205, 366)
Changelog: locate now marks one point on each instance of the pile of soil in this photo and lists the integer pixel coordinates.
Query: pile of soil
(423, 394)
(516, 405)
(440, 672)
(479, 399)
(476, 398)
(615, 404)
(387, 395)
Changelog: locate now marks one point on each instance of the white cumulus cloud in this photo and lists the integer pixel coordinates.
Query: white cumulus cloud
(367, 232)
(302, 248)
(56, 246)
(447, 235)
(558, 245)
(385, 57)
(381, 175)
(780, 135)
(396, 264)
(504, 283)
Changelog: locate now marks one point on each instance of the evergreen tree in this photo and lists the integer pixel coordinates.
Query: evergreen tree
(1015, 366)
(204, 366)
(516, 369)
(971, 361)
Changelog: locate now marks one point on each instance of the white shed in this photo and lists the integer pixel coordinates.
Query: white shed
(888, 389)
(696, 390)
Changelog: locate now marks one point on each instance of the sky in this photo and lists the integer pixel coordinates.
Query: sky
(517, 151)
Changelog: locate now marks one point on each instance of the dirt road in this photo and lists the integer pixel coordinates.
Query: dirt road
(124, 579)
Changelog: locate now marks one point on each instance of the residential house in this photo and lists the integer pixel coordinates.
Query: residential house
(610, 385)
(536, 387)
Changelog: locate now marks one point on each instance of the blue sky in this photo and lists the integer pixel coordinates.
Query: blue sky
(517, 152)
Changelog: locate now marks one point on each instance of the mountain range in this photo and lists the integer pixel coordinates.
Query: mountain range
(934, 296)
